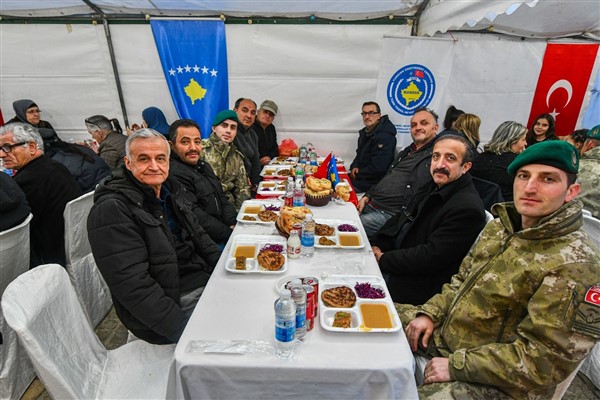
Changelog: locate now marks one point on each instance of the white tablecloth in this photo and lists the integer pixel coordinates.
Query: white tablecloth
(327, 365)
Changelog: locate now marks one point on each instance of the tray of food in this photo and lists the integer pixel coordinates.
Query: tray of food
(277, 171)
(271, 188)
(334, 233)
(338, 160)
(356, 303)
(257, 254)
(259, 211)
(282, 160)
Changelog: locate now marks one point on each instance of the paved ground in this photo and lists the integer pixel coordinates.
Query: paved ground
(113, 334)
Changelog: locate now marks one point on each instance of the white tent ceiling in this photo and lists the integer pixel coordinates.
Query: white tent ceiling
(532, 18)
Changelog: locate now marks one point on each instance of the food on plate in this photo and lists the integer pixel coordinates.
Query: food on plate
(252, 209)
(269, 171)
(240, 263)
(349, 240)
(317, 187)
(366, 291)
(272, 207)
(273, 247)
(323, 241)
(288, 216)
(267, 216)
(245, 251)
(342, 319)
(339, 297)
(376, 315)
(347, 228)
(248, 218)
(270, 260)
(284, 172)
(281, 158)
(343, 192)
(324, 230)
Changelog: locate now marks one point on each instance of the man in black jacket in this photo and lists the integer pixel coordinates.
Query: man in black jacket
(48, 186)
(149, 247)
(375, 150)
(246, 139)
(209, 203)
(423, 246)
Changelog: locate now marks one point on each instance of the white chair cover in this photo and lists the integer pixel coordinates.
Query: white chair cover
(85, 276)
(591, 365)
(16, 371)
(42, 307)
(488, 216)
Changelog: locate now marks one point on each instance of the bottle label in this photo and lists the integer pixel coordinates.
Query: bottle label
(300, 316)
(285, 329)
(308, 239)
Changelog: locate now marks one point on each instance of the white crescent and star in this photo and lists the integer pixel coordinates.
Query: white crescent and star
(594, 297)
(560, 84)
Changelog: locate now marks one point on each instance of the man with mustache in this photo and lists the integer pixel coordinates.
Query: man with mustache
(421, 247)
(246, 139)
(523, 310)
(210, 205)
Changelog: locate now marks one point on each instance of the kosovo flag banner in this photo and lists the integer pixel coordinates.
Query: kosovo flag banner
(193, 54)
(332, 171)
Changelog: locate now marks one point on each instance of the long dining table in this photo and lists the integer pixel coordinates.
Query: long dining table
(226, 350)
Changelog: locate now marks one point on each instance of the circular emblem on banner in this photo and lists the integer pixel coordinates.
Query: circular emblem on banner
(410, 88)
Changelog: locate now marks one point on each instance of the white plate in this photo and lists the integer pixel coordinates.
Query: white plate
(344, 182)
(258, 242)
(273, 171)
(338, 160)
(271, 187)
(337, 234)
(287, 161)
(327, 314)
(257, 204)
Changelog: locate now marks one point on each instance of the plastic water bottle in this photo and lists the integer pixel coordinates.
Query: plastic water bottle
(299, 172)
(308, 236)
(285, 324)
(299, 297)
(298, 194)
(313, 158)
(289, 192)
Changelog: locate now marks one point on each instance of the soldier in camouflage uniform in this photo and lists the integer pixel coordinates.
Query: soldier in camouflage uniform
(225, 159)
(589, 172)
(523, 310)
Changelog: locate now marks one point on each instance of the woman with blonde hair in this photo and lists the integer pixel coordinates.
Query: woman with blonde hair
(508, 142)
(468, 125)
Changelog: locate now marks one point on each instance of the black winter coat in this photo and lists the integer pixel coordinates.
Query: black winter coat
(374, 154)
(492, 167)
(424, 255)
(13, 203)
(145, 268)
(209, 203)
(48, 187)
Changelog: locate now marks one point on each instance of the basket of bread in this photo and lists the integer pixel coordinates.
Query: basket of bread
(288, 216)
(317, 191)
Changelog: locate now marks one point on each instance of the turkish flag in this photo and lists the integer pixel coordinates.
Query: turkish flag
(323, 168)
(1, 118)
(562, 84)
(593, 295)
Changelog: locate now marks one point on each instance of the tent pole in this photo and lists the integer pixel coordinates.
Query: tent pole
(415, 26)
(113, 60)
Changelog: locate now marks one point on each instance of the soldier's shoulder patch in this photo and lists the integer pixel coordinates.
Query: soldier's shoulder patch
(587, 314)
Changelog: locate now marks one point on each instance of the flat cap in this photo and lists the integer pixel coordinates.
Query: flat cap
(269, 105)
(555, 153)
(223, 115)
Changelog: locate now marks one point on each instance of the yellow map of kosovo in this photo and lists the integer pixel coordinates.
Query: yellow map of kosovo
(194, 91)
(411, 93)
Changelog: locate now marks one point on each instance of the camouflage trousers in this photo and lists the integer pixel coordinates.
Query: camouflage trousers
(444, 390)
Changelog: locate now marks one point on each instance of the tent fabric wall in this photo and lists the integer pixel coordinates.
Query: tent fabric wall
(318, 75)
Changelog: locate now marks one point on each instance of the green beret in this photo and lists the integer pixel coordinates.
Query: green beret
(223, 115)
(555, 153)
(593, 133)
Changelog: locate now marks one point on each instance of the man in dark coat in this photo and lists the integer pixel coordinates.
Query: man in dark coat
(149, 247)
(47, 185)
(13, 203)
(376, 147)
(246, 140)
(209, 203)
(266, 132)
(423, 246)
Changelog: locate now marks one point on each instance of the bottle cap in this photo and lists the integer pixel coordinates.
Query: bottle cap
(295, 282)
(285, 293)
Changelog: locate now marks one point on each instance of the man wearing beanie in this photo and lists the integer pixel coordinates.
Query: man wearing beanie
(524, 309)
(225, 159)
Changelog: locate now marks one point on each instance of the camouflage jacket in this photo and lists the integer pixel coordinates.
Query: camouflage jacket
(589, 178)
(514, 316)
(228, 164)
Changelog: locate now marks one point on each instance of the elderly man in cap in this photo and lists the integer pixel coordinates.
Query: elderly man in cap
(523, 310)
(265, 130)
(152, 252)
(48, 186)
(589, 172)
(225, 158)
(246, 140)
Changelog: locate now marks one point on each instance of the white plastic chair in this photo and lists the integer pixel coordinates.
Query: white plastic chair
(16, 371)
(42, 307)
(85, 276)
(592, 226)
(488, 216)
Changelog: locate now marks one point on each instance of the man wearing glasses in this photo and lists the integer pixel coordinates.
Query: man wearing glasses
(28, 112)
(376, 146)
(48, 186)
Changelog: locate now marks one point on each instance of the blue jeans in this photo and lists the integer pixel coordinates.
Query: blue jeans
(373, 219)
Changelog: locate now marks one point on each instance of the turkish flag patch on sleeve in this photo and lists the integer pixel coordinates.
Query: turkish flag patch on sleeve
(592, 295)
